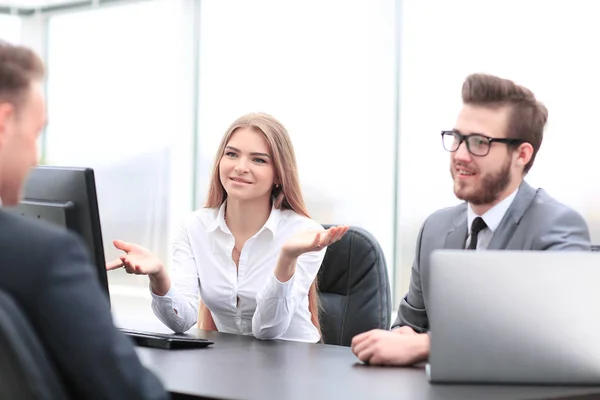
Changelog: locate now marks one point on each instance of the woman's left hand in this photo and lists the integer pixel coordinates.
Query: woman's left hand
(306, 241)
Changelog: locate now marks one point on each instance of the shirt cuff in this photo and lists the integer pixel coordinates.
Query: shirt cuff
(279, 290)
(168, 295)
(167, 303)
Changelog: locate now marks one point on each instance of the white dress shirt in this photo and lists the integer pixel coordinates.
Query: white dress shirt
(492, 219)
(203, 268)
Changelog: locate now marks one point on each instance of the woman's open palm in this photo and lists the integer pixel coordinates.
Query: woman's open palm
(137, 260)
(316, 240)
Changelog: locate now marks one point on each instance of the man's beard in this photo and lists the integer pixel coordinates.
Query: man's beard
(490, 186)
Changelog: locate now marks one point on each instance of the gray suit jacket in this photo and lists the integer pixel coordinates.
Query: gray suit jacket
(47, 271)
(534, 221)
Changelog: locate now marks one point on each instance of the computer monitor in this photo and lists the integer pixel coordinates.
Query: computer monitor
(67, 197)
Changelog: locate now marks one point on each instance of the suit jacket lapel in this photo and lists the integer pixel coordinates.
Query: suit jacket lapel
(513, 216)
(457, 235)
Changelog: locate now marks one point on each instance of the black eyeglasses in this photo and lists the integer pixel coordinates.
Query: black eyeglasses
(477, 144)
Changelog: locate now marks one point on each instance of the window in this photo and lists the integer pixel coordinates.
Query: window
(443, 42)
(326, 71)
(119, 101)
(10, 28)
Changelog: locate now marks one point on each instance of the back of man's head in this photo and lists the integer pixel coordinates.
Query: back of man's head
(19, 68)
(22, 117)
(528, 116)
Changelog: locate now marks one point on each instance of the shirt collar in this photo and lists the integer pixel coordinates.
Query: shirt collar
(273, 221)
(494, 215)
(219, 221)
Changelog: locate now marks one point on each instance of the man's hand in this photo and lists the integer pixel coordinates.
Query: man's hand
(405, 329)
(399, 347)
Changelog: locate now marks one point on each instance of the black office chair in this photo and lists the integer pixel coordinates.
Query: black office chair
(595, 247)
(26, 372)
(354, 288)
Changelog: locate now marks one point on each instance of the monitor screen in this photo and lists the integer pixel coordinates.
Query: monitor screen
(66, 196)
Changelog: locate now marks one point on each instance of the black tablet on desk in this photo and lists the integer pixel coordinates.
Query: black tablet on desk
(165, 340)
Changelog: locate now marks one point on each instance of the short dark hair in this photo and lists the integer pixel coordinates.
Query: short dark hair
(528, 116)
(19, 67)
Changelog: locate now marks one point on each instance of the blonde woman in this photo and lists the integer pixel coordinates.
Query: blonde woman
(252, 254)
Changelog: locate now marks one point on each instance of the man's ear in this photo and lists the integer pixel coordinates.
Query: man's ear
(7, 112)
(523, 154)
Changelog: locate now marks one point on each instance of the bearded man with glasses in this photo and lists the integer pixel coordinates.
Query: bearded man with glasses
(492, 147)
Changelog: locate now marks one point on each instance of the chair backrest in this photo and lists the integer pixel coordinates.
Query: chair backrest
(595, 247)
(354, 288)
(25, 370)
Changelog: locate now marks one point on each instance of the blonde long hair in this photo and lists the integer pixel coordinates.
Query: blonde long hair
(287, 196)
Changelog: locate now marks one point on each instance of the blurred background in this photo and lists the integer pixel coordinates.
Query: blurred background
(142, 91)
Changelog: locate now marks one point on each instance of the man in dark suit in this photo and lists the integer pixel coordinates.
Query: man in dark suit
(46, 270)
(493, 145)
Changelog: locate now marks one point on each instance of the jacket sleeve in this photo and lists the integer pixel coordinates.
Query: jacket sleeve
(412, 310)
(72, 316)
(566, 230)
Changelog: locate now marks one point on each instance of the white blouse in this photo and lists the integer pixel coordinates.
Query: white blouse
(203, 268)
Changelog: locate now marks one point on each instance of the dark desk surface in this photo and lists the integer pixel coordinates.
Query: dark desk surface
(241, 367)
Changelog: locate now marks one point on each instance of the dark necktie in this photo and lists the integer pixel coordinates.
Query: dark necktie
(477, 226)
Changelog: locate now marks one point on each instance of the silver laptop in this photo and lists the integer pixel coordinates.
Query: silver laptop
(523, 317)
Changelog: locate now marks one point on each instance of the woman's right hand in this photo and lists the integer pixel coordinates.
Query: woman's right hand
(137, 260)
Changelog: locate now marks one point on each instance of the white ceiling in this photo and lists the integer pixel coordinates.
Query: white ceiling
(35, 3)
